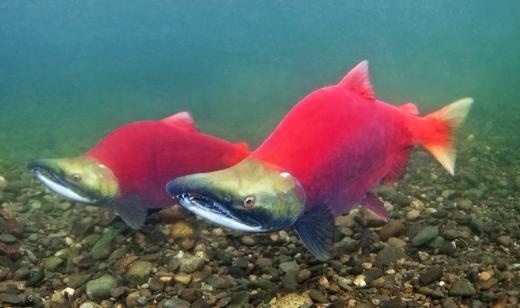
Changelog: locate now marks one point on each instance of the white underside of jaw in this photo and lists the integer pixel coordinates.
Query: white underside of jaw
(62, 190)
(217, 218)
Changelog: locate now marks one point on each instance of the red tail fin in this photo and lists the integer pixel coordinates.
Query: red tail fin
(441, 126)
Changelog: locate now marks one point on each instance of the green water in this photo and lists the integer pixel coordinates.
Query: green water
(71, 71)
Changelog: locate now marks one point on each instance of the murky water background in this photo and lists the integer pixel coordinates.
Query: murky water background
(71, 71)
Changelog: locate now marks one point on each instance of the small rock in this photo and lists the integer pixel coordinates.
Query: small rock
(52, 263)
(35, 277)
(3, 183)
(465, 204)
(183, 278)
(139, 271)
(171, 214)
(181, 229)
(239, 299)
(431, 275)
(76, 280)
(396, 242)
(90, 305)
(504, 240)
(12, 299)
(292, 300)
(392, 228)
(389, 255)
(190, 263)
(220, 282)
(190, 294)
(317, 296)
(344, 283)
(289, 266)
(264, 262)
(413, 214)
(462, 288)
(303, 275)
(174, 303)
(7, 238)
(248, 240)
(425, 235)
(132, 299)
(100, 288)
(359, 281)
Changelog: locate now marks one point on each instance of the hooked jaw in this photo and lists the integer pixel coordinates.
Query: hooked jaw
(250, 197)
(79, 179)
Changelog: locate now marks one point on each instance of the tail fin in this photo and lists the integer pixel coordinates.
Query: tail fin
(442, 126)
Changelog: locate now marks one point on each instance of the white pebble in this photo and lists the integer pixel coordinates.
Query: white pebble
(3, 182)
(359, 281)
(68, 291)
(413, 214)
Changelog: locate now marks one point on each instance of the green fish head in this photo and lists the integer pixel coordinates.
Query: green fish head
(81, 179)
(251, 196)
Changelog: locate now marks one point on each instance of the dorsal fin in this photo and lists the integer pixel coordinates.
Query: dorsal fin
(409, 108)
(357, 80)
(182, 120)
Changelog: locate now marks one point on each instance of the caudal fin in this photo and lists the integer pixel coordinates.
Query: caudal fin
(441, 127)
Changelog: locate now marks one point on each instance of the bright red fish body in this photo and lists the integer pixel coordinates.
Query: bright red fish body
(132, 164)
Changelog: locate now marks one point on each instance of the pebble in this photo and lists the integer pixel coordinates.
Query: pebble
(3, 182)
(100, 288)
(183, 278)
(389, 255)
(12, 299)
(359, 281)
(303, 275)
(90, 305)
(431, 275)
(139, 271)
(191, 294)
(396, 242)
(504, 240)
(181, 229)
(52, 263)
(7, 238)
(413, 214)
(317, 296)
(174, 303)
(292, 300)
(425, 235)
(248, 240)
(462, 287)
(392, 228)
(189, 263)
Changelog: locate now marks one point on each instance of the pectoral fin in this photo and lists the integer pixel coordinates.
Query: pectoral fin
(316, 228)
(374, 205)
(131, 211)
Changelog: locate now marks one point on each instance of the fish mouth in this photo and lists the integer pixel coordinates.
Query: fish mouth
(203, 203)
(45, 172)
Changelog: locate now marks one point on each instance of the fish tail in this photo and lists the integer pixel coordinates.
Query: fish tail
(440, 129)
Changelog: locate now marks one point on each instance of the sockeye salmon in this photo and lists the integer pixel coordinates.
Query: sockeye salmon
(324, 157)
(129, 168)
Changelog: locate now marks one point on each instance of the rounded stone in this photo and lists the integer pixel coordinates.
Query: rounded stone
(52, 263)
(100, 288)
(7, 238)
(190, 263)
(139, 271)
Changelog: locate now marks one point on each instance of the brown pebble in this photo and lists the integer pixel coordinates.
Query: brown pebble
(11, 251)
(393, 228)
(187, 244)
(303, 275)
(171, 214)
(181, 229)
(14, 227)
(190, 294)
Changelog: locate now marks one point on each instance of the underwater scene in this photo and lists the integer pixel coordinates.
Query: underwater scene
(259, 153)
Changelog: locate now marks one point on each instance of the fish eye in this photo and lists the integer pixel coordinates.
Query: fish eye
(75, 177)
(249, 202)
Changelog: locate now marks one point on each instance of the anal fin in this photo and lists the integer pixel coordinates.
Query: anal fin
(131, 211)
(316, 228)
(374, 205)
